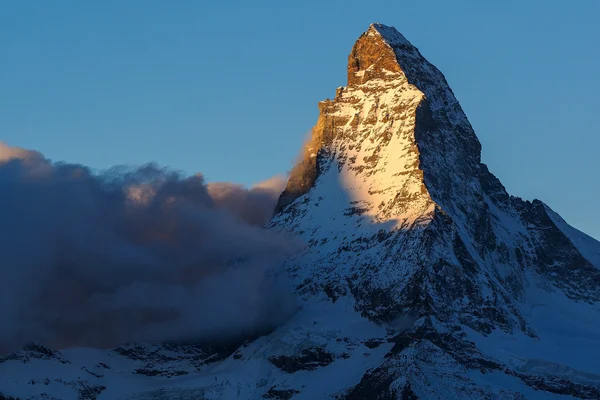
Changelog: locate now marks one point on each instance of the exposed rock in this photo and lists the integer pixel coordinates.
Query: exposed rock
(280, 394)
(308, 359)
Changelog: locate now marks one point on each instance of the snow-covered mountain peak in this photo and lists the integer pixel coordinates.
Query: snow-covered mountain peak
(391, 195)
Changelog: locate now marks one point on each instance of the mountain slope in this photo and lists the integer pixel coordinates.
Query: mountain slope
(422, 277)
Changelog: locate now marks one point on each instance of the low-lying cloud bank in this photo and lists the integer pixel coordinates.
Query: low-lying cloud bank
(133, 254)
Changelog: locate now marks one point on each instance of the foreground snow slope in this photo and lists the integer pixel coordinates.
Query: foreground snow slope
(421, 279)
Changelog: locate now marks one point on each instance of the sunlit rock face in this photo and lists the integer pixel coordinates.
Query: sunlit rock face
(422, 278)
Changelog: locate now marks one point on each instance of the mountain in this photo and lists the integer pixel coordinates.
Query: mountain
(422, 278)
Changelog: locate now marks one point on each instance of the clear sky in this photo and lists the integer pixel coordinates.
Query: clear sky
(230, 88)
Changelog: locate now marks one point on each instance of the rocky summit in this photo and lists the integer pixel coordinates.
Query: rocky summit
(421, 278)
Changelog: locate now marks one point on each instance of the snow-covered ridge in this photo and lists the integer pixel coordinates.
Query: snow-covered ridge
(587, 245)
(389, 34)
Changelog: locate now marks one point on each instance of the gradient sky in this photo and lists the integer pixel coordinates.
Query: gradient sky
(230, 88)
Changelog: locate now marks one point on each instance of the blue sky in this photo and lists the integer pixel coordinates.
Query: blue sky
(230, 88)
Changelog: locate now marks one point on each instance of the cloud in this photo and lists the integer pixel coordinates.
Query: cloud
(133, 254)
(255, 206)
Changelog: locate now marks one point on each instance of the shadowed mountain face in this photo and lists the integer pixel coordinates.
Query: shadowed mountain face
(422, 278)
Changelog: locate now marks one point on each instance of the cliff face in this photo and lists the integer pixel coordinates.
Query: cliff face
(393, 93)
(357, 122)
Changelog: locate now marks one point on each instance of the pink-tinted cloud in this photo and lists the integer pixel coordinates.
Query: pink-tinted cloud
(255, 206)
